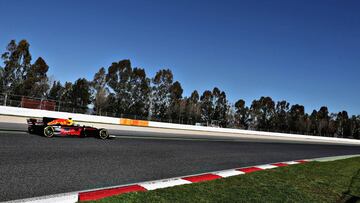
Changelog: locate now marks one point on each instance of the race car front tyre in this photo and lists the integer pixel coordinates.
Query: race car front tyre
(83, 133)
(49, 131)
(30, 130)
(103, 134)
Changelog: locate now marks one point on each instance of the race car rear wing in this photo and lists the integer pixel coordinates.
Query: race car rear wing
(35, 121)
(39, 121)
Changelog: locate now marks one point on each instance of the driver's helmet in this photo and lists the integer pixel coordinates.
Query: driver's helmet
(70, 121)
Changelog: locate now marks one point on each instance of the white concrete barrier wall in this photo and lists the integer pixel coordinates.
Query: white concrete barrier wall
(24, 112)
(248, 132)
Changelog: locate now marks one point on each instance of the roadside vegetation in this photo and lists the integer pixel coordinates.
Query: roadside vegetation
(336, 181)
(121, 90)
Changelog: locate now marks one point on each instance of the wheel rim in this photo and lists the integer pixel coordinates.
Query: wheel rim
(103, 134)
(49, 131)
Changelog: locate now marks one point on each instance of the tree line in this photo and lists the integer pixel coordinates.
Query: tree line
(124, 91)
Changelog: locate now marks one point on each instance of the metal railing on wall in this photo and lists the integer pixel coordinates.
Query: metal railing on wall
(61, 106)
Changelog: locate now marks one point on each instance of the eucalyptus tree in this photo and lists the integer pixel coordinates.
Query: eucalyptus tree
(343, 124)
(36, 80)
(313, 129)
(207, 106)
(56, 91)
(297, 121)
(221, 107)
(242, 114)
(99, 91)
(262, 113)
(323, 119)
(174, 110)
(192, 108)
(161, 96)
(281, 115)
(355, 126)
(139, 89)
(80, 95)
(17, 61)
(118, 79)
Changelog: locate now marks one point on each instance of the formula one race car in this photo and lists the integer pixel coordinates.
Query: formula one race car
(63, 127)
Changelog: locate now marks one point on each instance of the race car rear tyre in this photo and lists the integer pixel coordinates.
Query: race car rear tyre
(49, 131)
(103, 134)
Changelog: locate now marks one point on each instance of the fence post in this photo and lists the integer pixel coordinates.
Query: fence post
(59, 106)
(5, 100)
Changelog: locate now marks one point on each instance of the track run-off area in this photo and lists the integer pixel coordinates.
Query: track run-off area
(31, 165)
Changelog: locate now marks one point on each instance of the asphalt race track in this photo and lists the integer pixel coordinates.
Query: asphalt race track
(32, 165)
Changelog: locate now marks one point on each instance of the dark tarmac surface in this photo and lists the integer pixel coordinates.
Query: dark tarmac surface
(31, 165)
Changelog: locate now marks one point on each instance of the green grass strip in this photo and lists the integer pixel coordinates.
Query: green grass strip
(334, 181)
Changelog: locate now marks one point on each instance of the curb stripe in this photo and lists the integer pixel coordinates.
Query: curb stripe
(164, 183)
(228, 173)
(201, 178)
(96, 194)
(99, 194)
(58, 198)
(291, 162)
(266, 166)
(249, 169)
(280, 164)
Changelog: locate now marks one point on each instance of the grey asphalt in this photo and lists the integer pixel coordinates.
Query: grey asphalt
(32, 165)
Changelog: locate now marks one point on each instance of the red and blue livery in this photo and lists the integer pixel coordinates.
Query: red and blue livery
(50, 127)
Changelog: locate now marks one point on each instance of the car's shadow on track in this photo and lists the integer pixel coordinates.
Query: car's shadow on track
(69, 137)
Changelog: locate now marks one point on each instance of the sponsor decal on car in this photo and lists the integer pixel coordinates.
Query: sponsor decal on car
(68, 122)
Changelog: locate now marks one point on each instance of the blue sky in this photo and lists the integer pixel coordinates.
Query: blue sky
(303, 51)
